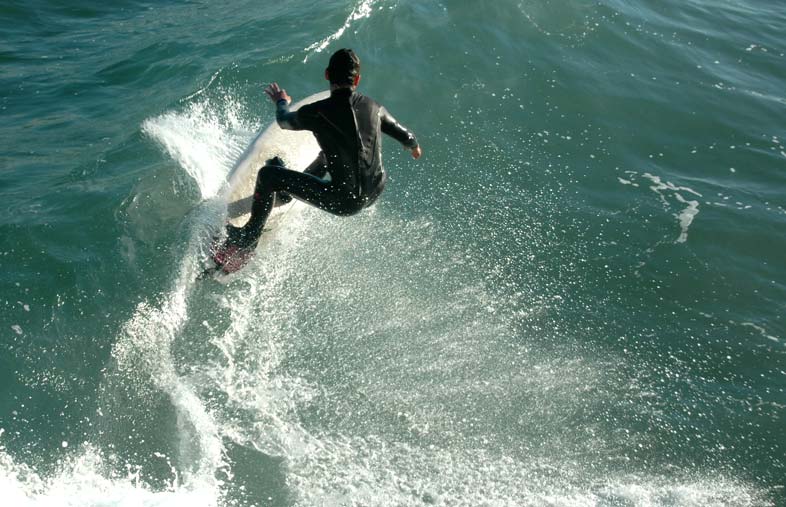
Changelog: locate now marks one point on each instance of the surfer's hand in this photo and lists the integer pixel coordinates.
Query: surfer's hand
(416, 152)
(277, 93)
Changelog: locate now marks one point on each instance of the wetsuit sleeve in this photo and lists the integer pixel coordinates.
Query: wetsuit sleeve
(293, 120)
(397, 131)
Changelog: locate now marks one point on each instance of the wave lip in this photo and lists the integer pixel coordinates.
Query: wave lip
(203, 140)
(360, 11)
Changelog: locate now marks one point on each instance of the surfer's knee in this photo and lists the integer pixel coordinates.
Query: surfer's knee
(265, 174)
(263, 187)
(272, 164)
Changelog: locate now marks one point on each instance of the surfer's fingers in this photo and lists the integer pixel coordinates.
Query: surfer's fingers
(277, 93)
(273, 95)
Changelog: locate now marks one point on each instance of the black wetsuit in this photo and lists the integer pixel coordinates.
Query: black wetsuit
(348, 128)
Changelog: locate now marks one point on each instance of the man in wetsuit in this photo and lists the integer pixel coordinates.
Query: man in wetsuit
(348, 127)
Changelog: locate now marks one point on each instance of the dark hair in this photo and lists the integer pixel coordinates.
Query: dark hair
(343, 67)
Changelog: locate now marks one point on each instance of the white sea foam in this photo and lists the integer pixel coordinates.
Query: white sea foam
(142, 353)
(686, 216)
(667, 190)
(372, 472)
(203, 142)
(142, 350)
(203, 139)
(357, 460)
(81, 482)
(660, 185)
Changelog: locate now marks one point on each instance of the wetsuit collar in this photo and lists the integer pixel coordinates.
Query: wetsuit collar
(342, 92)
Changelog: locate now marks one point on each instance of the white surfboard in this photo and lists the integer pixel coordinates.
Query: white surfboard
(297, 148)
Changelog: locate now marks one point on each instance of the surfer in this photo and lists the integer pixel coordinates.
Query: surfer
(348, 128)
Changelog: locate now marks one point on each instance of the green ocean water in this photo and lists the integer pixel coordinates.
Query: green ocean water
(576, 297)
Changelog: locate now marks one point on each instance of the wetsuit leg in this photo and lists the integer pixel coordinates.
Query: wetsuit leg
(305, 187)
(272, 179)
(317, 168)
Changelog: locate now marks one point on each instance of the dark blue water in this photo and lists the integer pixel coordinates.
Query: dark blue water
(576, 297)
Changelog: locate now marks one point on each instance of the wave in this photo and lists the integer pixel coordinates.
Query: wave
(362, 9)
(363, 361)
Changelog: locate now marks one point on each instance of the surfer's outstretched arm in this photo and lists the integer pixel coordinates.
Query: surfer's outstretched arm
(287, 119)
(400, 133)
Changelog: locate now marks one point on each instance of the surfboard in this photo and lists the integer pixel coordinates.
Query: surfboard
(297, 148)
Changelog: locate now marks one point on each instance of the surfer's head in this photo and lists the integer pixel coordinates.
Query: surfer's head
(343, 69)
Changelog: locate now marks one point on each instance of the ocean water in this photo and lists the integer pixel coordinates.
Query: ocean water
(575, 298)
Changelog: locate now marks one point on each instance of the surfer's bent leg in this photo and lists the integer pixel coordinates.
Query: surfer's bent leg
(272, 179)
(275, 178)
(317, 168)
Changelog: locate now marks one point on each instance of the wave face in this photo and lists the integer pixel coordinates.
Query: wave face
(574, 298)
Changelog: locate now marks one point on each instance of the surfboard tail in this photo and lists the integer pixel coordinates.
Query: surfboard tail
(231, 258)
(226, 258)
